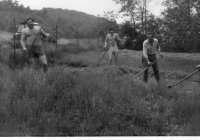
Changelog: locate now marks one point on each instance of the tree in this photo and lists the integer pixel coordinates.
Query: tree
(108, 20)
(137, 10)
(129, 33)
(128, 8)
(143, 13)
(182, 21)
(128, 30)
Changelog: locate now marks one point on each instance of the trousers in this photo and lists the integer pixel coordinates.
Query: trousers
(152, 58)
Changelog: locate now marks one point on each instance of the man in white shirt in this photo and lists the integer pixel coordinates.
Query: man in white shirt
(150, 48)
(111, 42)
(32, 44)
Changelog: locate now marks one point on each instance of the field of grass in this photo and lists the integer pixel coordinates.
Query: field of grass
(85, 43)
(76, 98)
(5, 36)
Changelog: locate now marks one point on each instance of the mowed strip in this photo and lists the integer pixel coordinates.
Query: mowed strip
(5, 36)
(184, 62)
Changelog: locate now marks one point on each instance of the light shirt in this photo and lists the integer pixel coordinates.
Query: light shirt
(111, 40)
(150, 48)
(33, 34)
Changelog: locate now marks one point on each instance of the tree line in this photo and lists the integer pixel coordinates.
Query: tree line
(178, 28)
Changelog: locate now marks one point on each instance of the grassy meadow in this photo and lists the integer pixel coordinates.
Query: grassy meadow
(76, 98)
(5, 36)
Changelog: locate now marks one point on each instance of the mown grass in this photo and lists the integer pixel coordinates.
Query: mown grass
(56, 56)
(85, 43)
(5, 36)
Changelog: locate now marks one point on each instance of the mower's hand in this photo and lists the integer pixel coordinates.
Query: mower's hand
(160, 55)
(198, 67)
(24, 49)
(149, 63)
(105, 48)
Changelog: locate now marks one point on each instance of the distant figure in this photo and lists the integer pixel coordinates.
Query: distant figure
(150, 48)
(112, 39)
(32, 43)
(127, 42)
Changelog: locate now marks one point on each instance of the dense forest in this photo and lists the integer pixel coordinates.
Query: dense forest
(70, 23)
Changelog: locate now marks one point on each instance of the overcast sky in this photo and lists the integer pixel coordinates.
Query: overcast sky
(93, 7)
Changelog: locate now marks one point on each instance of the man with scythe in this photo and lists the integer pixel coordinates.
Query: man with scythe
(111, 45)
(32, 43)
(150, 48)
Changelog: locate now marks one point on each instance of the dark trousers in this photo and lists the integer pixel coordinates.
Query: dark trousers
(152, 58)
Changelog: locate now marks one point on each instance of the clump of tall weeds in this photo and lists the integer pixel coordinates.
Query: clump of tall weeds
(62, 103)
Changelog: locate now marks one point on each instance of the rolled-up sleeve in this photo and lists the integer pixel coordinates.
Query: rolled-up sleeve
(23, 37)
(106, 41)
(158, 47)
(145, 50)
(45, 35)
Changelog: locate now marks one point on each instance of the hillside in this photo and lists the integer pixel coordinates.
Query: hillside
(71, 23)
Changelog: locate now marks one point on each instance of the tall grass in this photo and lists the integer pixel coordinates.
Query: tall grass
(62, 103)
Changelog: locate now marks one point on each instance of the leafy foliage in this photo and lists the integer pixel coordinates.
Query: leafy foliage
(137, 10)
(181, 23)
(177, 30)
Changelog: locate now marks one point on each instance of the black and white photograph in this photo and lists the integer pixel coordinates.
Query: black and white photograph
(99, 68)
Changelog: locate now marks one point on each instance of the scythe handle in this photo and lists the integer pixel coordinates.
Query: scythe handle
(171, 86)
(101, 58)
(148, 66)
